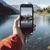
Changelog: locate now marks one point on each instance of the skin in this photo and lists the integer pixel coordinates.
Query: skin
(17, 30)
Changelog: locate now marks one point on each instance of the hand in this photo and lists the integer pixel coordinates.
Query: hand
(16, 30)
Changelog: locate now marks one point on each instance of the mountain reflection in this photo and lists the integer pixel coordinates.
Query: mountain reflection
(3, 19)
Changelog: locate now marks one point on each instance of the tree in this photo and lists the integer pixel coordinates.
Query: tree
(40, 10)
(44, 9)
(48, 9)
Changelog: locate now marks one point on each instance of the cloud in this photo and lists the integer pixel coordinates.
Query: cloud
(43, 6)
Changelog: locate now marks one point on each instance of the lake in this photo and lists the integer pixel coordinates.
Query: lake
(41, 37)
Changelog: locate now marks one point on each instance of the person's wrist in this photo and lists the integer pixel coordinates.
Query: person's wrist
(15, 30)
(19, 34)
(22, 39)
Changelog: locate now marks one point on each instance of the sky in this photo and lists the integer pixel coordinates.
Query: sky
(42, 3)
(25, 11)
(32, 1)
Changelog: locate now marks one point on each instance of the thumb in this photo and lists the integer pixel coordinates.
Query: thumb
(16, 21)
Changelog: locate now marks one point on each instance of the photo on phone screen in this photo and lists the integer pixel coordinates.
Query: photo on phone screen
(26, 14)
(26, 18)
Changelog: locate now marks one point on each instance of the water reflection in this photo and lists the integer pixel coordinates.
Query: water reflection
(6, 26)
(3, 19)
(42, 20)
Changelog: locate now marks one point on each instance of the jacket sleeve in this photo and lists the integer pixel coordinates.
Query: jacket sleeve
(12, 42)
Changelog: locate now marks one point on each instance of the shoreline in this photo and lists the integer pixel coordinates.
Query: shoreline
(42, 14)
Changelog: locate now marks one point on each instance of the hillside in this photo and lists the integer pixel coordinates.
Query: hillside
(5, 10)
(44, 12)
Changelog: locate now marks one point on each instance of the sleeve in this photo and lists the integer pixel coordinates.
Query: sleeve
(12, 42)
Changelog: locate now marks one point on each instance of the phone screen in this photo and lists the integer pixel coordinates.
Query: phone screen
(26, 18)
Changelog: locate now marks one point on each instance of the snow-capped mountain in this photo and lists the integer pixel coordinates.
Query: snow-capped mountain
(5, 4)
(43, 5)
(17, 6)
(27, 3)
(36, 7)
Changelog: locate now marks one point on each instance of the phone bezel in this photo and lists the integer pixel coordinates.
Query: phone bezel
(27, 5)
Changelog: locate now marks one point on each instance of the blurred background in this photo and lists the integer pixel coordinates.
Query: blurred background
(9, 11)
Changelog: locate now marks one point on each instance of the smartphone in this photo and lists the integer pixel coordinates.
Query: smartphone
(26, 18)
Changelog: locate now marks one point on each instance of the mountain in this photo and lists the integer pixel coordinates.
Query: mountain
(48, 7)
(17, 6)
(4, 10)
(43, 6)
(36, 7)
(27, 2)
(5, 4)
